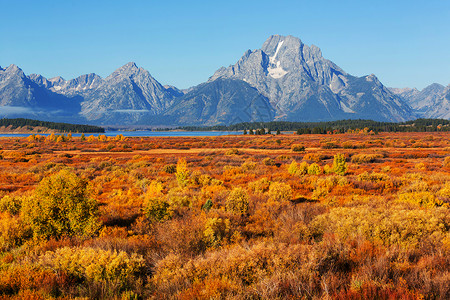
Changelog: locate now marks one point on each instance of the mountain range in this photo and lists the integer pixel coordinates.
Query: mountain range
(432, 102)
(284, 80)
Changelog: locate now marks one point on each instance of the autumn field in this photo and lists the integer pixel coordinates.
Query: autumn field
(325, 216)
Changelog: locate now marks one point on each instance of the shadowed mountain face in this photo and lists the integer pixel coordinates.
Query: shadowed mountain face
(300, 83)
(129, 92)
(431, 102)
(127, 96)
(22, 96)
(441, 108)
(223, 101)
(284, 80)
(130, 95)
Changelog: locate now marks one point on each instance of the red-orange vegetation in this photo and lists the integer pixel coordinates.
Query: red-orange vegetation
(235, 217)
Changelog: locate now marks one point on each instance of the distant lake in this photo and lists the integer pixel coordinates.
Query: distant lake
(142, 133)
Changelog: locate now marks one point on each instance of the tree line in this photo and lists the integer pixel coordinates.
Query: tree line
(61, 127)
(341, 126)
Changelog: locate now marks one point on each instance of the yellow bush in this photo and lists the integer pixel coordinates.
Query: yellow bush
(170, 169)
(280, 191)
(297, 148)
(420, 166)
(157, 209)
(348, 145)
(31, 138)
(339, 164)
(60, 139)
(154, 189)
(407, 228)
(248, 166)
(237, 201)
(293, 167)
(314, 157)
(447, 162)
(298, 169)
(61, 206)
(95, 265)
(427, 199)
(373, 177)
(323, 186)
(259, 186)
(268, 161)
(182, 173)
(283, 157)
(51, 138)
(244, 265)
(215, 231)
(233, 151)
(327, 169)
(314, 169)
(444, 192)
(10, 204)
(365, 158)
(13, 233)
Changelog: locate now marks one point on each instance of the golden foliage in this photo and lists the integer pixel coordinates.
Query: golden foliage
(157, 209)
(280, 191)
(260, 186)
(237, 201)
(365, 158)
(182, 173)
(298, 169)
(61, 206)
(95, 264)
(314, 169)
(297, 148)
(339, 164)
(427, 199)
(447, 162)
(216, 230)
(406, 228)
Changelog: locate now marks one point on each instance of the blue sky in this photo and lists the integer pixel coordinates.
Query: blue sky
(182, 43)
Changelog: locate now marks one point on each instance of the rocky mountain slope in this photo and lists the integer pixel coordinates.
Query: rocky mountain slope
(129, 93)
(302, 85)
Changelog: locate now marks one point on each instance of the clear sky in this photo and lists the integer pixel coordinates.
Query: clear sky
(182, 43)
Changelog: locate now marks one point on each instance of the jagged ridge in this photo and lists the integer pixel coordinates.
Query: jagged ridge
(291, 80)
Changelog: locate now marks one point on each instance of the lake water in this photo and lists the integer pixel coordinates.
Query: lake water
(144, 133)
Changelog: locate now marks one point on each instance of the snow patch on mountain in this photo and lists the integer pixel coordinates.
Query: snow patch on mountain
(132, 110)
(275, 70)
(274, 57)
